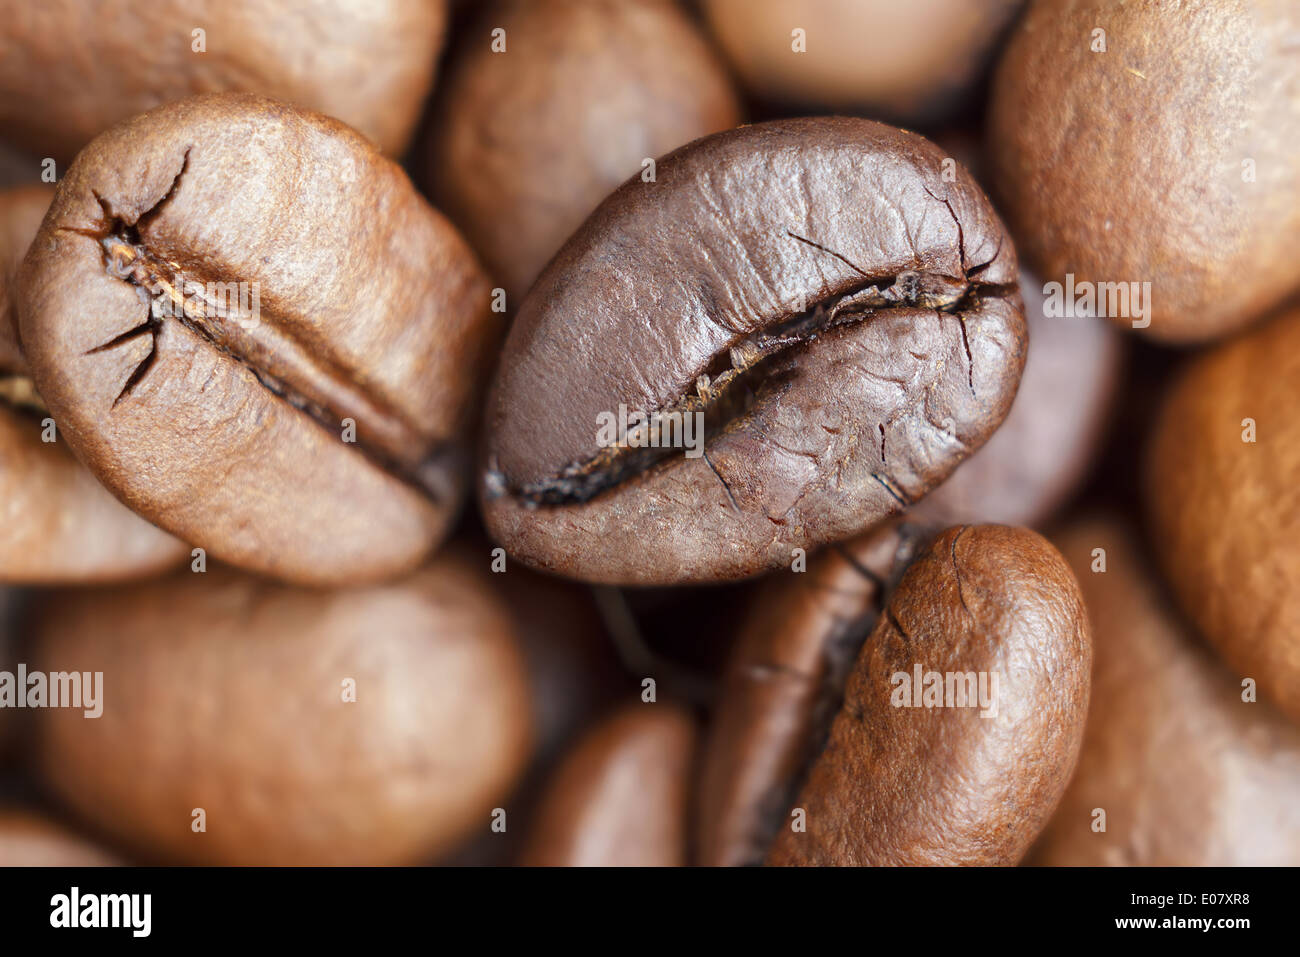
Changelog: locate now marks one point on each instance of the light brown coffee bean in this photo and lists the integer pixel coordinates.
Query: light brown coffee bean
(1146, 142)
(528, 140)
(31, 839)
(619, 798)
(962, 717)
(71, 69)
(1176, 768)
(257, 335)
(377, 725)
(910, 61)
(57, 523)
(1221, 497)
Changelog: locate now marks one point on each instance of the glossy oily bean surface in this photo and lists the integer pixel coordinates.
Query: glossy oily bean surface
(842, 324)
(256, 334)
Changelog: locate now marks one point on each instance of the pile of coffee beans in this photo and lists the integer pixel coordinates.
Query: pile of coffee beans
(650, 432)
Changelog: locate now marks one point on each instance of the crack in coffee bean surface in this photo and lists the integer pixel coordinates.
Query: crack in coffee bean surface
(310, 384)
(725, 389)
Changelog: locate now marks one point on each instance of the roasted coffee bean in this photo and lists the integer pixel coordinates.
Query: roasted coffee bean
(1221, 498)
(255, 333)
(619, 799)
(30, 839)
(57, 523)
(378, 725)
(72, 69)
(910, 61)
(782, 686)
(528, 140)
(1051, 437)
(960, 721)
(1185, 771)
(574, 676)
(21, 211)
(1146, 142)
(836, 325)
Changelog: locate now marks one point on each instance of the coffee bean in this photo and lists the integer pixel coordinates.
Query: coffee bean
(1221, 499)
(619, 798)
(1051, 437)
(783, 685)
(254, 332)
(909, 61)
(842, 324)
(21, 212)
(958, 727)
(1185, 771)
(529, 139)
(60, 525)
(1142, 142)
(30, 839)
(373, 725)
(70, 71)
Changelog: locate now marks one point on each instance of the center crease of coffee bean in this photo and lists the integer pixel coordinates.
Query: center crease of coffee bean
(725, 390)
(309, 383)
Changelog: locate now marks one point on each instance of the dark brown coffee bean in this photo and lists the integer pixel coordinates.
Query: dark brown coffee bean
(1053, 433)
(1222, 502)
(257, 335)
(1185, 772)
(911, 61)
(71, 70)
(841, 321)
(619, 798)
(31, 839)
(530, 138)
(1150, 142)
(962, 717)
(378, 725)
(57, 523)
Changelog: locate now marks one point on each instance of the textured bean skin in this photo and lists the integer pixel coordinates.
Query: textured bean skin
(529, 141)
(226, 693)
(669, 281)
(231, 433)
(918, 786)
(72, 69)
(1225, 513)
(619, 798)
(1187, 772)
(57, 523)
(1170, 158)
